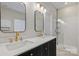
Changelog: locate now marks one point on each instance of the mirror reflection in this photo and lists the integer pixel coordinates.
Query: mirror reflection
(39, 21)
(13, 17)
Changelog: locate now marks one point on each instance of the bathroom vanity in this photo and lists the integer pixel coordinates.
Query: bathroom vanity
(38, 46)
(15, 22)
(46, 49)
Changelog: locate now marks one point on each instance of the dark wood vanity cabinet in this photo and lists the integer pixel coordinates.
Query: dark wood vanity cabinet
(34, 52)
(44, 49)
(52, 48)
(47, 49)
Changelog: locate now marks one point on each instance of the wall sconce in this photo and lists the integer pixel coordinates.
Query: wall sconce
(38, 5)
(41, 8)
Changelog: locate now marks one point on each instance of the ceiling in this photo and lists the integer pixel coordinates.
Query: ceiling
(59, 4)
(20, 7)
(63, 4)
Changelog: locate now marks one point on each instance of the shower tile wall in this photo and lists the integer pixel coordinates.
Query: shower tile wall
(69, 15)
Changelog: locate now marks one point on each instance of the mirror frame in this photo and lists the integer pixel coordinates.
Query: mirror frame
(13, 30)
(35, 21)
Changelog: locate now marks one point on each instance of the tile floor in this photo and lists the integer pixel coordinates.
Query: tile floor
(63, 52)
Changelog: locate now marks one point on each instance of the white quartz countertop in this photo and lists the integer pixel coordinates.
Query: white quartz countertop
(11, 49)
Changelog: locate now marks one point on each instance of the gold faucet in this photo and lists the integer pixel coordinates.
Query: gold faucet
(17, 36)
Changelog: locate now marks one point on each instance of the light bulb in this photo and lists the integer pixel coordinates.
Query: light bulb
(38, 5)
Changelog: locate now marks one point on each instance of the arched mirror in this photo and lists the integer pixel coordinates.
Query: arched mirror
(38, 21)
(13, 16)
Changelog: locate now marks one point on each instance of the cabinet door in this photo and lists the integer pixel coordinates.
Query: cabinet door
(37, 51)
(52, 48)
(44, 49)
(29, 53)
(34, 52)
(47, 49)
(25, 54)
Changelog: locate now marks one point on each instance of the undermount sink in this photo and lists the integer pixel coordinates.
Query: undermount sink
(16, 45)
(19, 44)
(35, 40)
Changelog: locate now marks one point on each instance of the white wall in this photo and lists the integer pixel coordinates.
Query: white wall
(78, 28)
(50, 19)
(30, 22)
